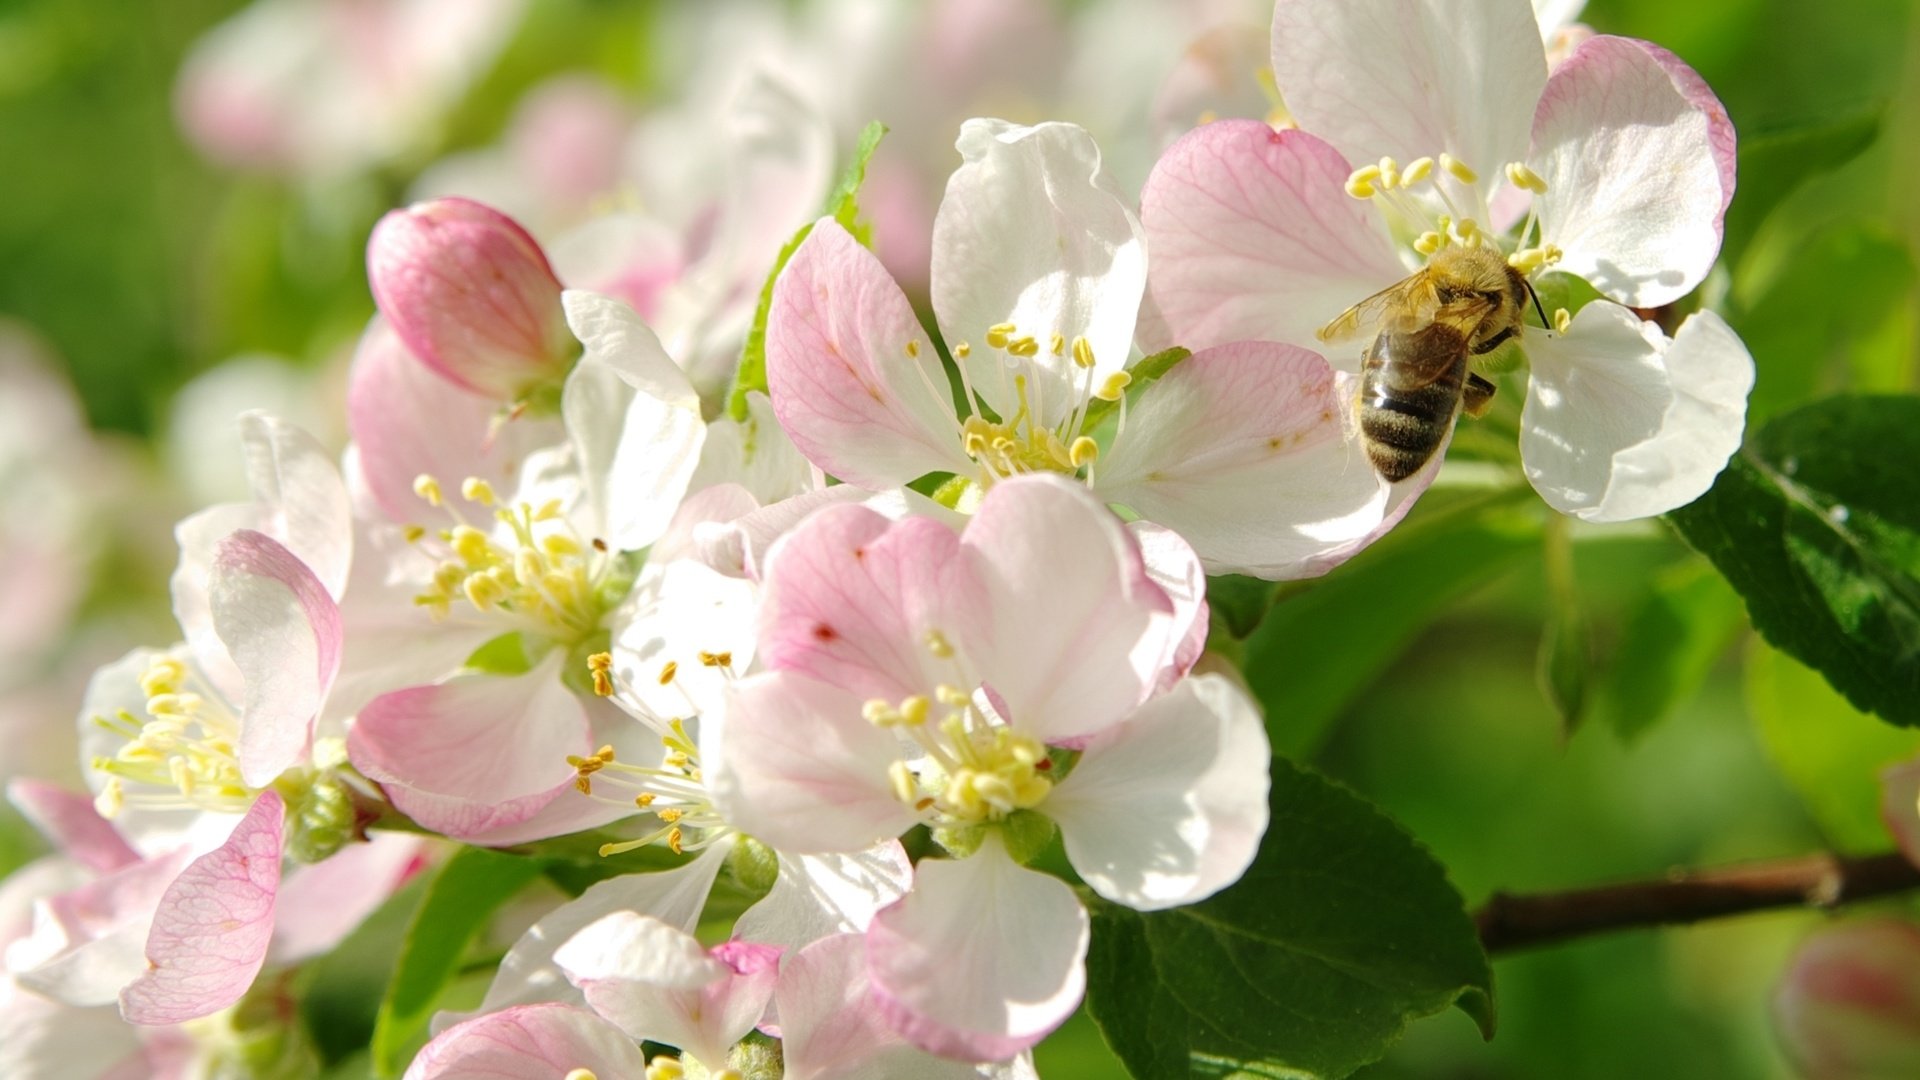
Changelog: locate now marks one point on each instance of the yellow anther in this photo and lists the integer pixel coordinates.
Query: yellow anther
(913, 348)
(676, 840)
(1417, 170)
(1524, 178)
(1467, 231)
(482, 591)
(548, 510)
(963, 350)
(427, 488)
(471, 545)
(879, 713)
(913, 711)
(1083, 451)
(905, 786)
(665, 1067)
(644, 799)
(163, 676)
(1429, 242)
(581, 1074)
(1057, 345)
(716, 659)
(670, 815)
(475, 490)
(413, 533)
(1361, 183)
(1460, 170)
(974, 443)
(999, 334)
(1115, 385)
(1562, 318)
(1389, 173)
(112, 798)
(952, 695)
(1024, 346)
(601, 665)
(938, 645)
(668, 671)
(559, 545)
(1082, 352)
(1551, 253)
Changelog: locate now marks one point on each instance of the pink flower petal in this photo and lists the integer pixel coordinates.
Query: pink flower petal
(816, 896)
(319, 905)
(530, 1040)
(793, 762)
(1169, 807)
(1255, 238)
(850, 597)
(283, 632)
(1074, 635)
(1246, 451)
(982, 959)
(69, 821)
(1381, 78)
(87, 944)
(1900, 806)
(1638, 156)
(211, 931)
(1172, 565)
(475, 754)
(1849, 1003)
(854, 379)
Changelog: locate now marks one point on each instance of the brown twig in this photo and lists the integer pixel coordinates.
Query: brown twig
(1509, 923)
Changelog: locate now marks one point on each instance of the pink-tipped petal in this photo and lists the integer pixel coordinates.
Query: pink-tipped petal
(1848, 1006)
(284, 634)
(1246, 451)
(1255, 238)
(87, 944)
(530, 1040)
(1638, 156)
(211, 932)
(793, 762)
(1169, 808)
(319, 905)
(1621, 423)
(1033, 232)
(854, 379)
(68, 820)
(982, 959)
(816, 896)
(633, 419)
(1076, 632)
(1173, 566)
(850, 597)
(1387, 78)
(475, 754)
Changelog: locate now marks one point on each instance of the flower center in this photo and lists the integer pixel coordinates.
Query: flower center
(183, 755)
(534, 573)
(1399, 193)
(674, 791)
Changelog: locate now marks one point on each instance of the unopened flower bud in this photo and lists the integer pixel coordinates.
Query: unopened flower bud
(1849, 1004)
(471, 295)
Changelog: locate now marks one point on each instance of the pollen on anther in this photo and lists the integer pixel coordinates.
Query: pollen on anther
(475, 490)
(913, 348)
(600, 665)
(1057, 345)
(1460, 170)
(962, 350)
(427, 488)
(668, 671)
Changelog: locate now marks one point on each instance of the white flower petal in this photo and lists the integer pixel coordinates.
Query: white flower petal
(816, 896)
(754, 453)
(629, 945)
(1620, 423)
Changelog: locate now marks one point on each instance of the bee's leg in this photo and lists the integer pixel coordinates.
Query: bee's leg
(1477, 397)
(1493, 342)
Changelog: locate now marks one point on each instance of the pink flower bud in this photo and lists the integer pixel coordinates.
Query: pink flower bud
(472, 296)
(1849, 1005)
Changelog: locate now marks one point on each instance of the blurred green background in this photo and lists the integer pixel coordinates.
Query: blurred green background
(142, 265)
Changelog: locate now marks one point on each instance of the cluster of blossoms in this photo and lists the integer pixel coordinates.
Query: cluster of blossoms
(551, 587)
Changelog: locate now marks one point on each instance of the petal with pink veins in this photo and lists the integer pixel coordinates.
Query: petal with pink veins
(793, 762)
(1255, 238)
(1246, 450)
(211, 931)
(854, 379)
(850, 597)
(816, 896)
(475, 754)
(87, 944)
(68, 820)
(529, 1040)
(982, 959)
(1169, 808)
(1621, 423)
(739, 547)
(1638, 157)
(1076, 632)
(633, 418)
(319, 905)
(283, 632)
(1386, 78)
(1033, 232)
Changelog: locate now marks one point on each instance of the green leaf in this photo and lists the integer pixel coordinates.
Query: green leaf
(1240, 602)
(1564, 665)
(463, 896)
(1317, 650)
(1830, 752)
(1149, 369)
(1773, 163)
(1817, 525)
(1685, 623)
(1342, 931)
(844, 207)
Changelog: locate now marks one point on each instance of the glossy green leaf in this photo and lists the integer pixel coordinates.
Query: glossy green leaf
(462, 898)
(1343, 931)
(1670, 642)
(1829, 751)
(1817, 524)
(1317, 649)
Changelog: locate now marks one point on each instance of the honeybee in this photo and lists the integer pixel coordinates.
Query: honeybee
(1417, 377)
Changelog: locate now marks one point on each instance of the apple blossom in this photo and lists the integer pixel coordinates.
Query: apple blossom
(992, 685)
(1848, 1006)
(1243, 450)
(1616, 168)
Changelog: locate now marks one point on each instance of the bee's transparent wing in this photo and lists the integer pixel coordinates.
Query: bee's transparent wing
(1411, 298)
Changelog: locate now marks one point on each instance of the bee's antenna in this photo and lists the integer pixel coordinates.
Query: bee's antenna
(1544, 324)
